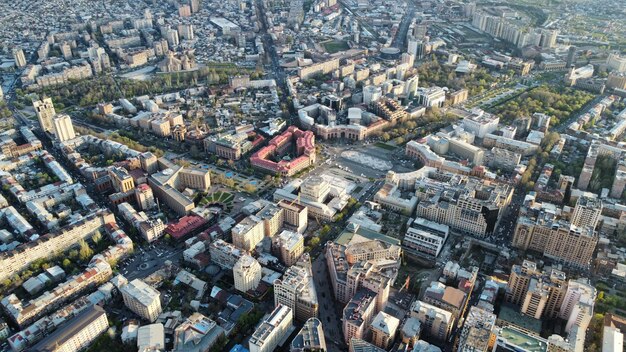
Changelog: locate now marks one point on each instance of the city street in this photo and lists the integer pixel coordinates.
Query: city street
(328, 312)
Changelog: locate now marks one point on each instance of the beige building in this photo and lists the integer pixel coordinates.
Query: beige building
(142, 299)
(554, 236)
(539, 294)
(436, 322)
(196, 179)
(289, 246)
(272, 330)
(296, 290)
(63, 128)
(248, 233)
(247, 274)
(224, 254)
(149, 162)
(294, 215)
(14, 261)
(121, 179)
(272, 216)
(45, 113)
(358, 314)
(616, 80)
(384, 329)
(144, 197)
(77, 334)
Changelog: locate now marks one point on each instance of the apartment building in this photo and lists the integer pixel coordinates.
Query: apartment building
(296, 290)
(376, 270)
(358, 314)
(383, 330)
(477, 333)
(295, 215)
(310, 338)
(272, 216)
(248, 233)
(22, 256)
(542, 228)
(272, 330)
(45, 113)
(247, 273)
(142, 299)
(25, 313)
(224, 254)
(289, 246)
(77, 334)
(63, 128)
(436, 322)
(539, 294)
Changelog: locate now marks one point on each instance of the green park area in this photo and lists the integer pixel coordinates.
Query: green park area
(555, 101)
(335, 46)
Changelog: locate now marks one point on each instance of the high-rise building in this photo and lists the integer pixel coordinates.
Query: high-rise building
(464, 203)
(184, 10)
(272, 216)
(247, 273)
(548, 38)
(289, 246)
(63, 128)
(272, 330)
(310, 338)
(477, 333)
(185, 31)
(578, 303)
(149, 162)
(295, 216)
(77, 334)
(383, 328)
(45, 113)
(541, 229)
(587, 212)
(358, 314)
(571, 56)
(224, 254)
(195, 6)
(296, 290)
(616, 62)
(142, 299)
(144, 197)
(20, 59)
(360, 345)
(248, 233)
(436, 322)
(539, 294)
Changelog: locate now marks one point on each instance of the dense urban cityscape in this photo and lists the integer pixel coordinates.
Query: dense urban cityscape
(313, 175)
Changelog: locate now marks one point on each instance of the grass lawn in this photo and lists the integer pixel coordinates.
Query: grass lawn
(219, 197)
(385, 146)
(335, 46)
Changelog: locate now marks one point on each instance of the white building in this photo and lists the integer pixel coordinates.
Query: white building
(247, 273)
(142, 299)
(63, 128)
(425, 237)
(272, 330)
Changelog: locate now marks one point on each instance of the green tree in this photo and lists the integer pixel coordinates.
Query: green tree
(97, 237)
(85, 252)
